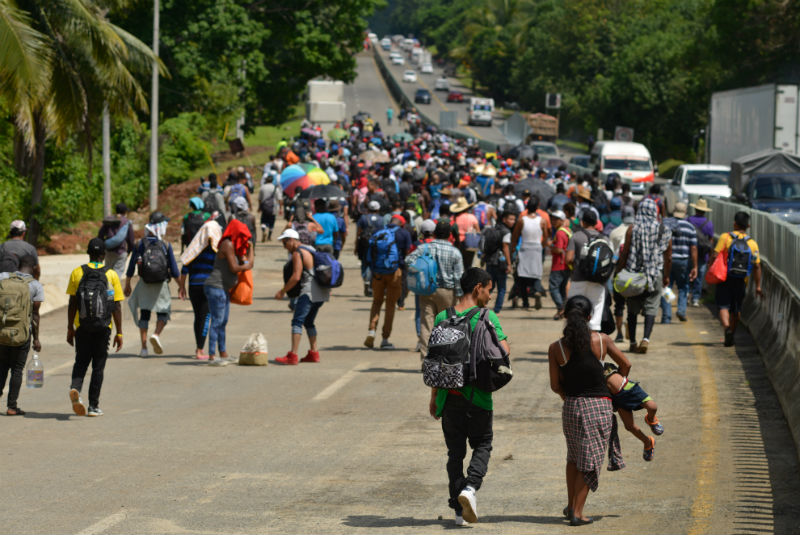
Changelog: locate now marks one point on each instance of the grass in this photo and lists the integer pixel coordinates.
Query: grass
(575, 145)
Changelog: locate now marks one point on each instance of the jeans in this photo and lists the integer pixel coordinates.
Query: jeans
(388, 287)
(90, 347)
(678, 275)
(527, 287)
(219, 306)
(463, 422)
(13, 359)
(499, 276)
(417, 318)
(697, 284)
(197, 296)
(558, 287)
(305, 312)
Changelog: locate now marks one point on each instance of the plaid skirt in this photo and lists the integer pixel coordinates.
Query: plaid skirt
(587, 425)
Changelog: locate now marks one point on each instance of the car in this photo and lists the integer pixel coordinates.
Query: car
(455, 96)
(422, 96)
(776, 193)
(410, 76)
(426, 68)
(545, 149)
(398, 60)
(373, 37)
(700, 179)
(579, 164)
(441, 84)
(386, 43)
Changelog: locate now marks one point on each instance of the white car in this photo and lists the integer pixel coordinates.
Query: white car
(700, 179)
(386, 43)
(398, 60)
(427, 68)
(409, 76)
(441, 84)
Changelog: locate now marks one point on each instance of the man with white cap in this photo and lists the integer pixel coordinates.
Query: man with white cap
(684, 261)
(15, 248)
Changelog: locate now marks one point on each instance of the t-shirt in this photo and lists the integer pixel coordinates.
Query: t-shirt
(466, 222)
(12, 250)
(725, 241)
(329, 227)
(561, 241)
(113, 284)
(579, 239)
(479, 398)
(35, 287)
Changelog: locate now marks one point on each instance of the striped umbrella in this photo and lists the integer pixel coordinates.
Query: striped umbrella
(302, 175)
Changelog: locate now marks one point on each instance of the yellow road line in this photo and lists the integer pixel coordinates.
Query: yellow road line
(703, 505)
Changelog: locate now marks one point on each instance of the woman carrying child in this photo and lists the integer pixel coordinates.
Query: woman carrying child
(576, 374)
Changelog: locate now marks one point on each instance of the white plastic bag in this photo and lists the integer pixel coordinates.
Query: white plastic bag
(254, 352)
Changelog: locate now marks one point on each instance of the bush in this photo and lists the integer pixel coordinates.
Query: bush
(667, 168)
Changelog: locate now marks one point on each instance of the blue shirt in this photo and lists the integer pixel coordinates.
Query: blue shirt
(683, 237)
(329, 227)
(200, 268)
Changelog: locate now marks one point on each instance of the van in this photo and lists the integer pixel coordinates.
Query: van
(631, 161)
(480, 111)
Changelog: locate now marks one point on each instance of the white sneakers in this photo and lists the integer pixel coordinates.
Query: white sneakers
(156, 342)
(460, 521)
(77, 403)
(468, 505)
(218, 361)
(143, 353)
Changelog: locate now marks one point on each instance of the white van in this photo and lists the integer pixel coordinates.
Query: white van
(631, 161)
(480, 111)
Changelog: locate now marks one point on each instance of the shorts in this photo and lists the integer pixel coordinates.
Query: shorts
(631, 397)
(730, 294)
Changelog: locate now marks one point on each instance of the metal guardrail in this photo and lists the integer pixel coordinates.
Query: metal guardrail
(778, 241)
(403, 100)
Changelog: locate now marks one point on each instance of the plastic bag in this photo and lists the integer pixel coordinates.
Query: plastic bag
(242, 293)
(718, 270)
(254, 352)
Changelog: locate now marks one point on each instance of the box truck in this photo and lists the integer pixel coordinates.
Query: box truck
(480, 111)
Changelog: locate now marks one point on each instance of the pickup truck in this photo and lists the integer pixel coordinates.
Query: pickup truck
(703, 180)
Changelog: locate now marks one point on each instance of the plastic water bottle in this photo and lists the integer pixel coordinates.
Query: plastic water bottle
(668, 294)
(35, 373)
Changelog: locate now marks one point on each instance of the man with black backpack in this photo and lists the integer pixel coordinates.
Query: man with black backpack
(496, 252)
(95, 295)
(467, 411)
(192, 221)
(214, 201)
(743, 261)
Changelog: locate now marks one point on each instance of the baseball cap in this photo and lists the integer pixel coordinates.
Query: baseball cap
(680, 210)
(289, 233)
(96, 247)
(241, 203)
(429, 225)
(157, 217)
(399, 218)
(18, 224)
(628, 215)
(374, 205)
(558, 214)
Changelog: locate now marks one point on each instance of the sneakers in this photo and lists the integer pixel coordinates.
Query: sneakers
(468, 505)
(650, 452)
(695, 303)
(386, 344)
(94, 411)
(369, 341)
(460, 521)
(143, 353)
(311, 356)
(642, 349)
(728, 338)
(619, 339)
(290, 359)
(218, 361)
(156, 343)
(681, 317)
(77, 403)
(655, 426)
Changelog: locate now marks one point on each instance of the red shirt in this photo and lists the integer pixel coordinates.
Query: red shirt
(561, 241)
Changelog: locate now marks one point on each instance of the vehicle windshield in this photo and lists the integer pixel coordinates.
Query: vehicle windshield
(627, 164)
(545, 149)
(706, 178)
(482, 107)
(774, 187)
(422, 92)
(581, 160)
(410, 73)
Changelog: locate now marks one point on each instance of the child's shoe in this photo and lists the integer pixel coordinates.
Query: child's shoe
(650, 452)
(655, 426)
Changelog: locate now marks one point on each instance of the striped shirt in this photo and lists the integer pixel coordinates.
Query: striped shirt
(684, 237)
(201, 267)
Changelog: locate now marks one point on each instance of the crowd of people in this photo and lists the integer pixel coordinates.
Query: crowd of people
(439, 221)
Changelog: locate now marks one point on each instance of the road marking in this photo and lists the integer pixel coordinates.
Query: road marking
(340, 382)
(703, 505)
(104, 524)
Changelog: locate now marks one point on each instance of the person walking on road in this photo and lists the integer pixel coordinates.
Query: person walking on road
(367, 225)
(617, 238)
(467, 412)
(389, 115)
(269, 204)
(683, 270)
(15, 344)
(743, 261)
(559, 270)
(94, 300)
(497, 253)
(15, 248)
(580, 285)
(310, 297)
(576, 375)
(532, 229)
(705, 244)
(119, 240)
(648, 250)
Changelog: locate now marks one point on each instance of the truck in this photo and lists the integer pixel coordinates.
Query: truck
(325, 104)
(751, 119)
(542, 127)
(480, 111)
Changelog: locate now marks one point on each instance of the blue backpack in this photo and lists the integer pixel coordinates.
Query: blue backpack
(740, 257)
(423, 274)
(382, 254)
(328, 271)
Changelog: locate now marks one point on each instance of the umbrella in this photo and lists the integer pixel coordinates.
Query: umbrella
(402, 136)
(373, 156)
(310, 132)
(521, 151)
(554, 163)
(376, 141)
(337, 134)
(325, 191)
(302, 176)
(536, 187)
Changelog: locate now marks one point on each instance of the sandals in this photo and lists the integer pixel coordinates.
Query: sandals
(16, 411)
(650, 452)
(655, 426)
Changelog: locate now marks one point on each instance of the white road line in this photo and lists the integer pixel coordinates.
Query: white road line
(104, 524)
(340, 382)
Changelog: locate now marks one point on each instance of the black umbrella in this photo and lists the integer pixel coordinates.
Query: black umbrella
(536, 187)
(553, 163)
(521, 152)
(325, 191)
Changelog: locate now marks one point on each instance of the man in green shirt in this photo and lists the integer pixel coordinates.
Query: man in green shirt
(467, 412)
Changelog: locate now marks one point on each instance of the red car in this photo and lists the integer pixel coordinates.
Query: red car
(455, 96)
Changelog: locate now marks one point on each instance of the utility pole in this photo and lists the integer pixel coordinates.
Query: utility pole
(106, 161)
(154, 116)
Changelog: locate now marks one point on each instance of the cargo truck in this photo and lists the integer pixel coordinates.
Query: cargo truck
(480, 111)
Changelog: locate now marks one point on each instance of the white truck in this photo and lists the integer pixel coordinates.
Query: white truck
(480, 111)
(325, 104)
(752, 119)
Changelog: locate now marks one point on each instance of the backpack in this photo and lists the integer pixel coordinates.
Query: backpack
(481, 212)
(95, 299)
(306, 236)
(423, 273)
(328, 271)
(15, 311)
(447, 363)
(118, 238)
(740, 257)
(597, 259)
(236, 191)
(490, 366)
(705, 243)
(382, 254)
(491, 244)
(268, 203)
(211, 205)
(154, 266)
(191, 224)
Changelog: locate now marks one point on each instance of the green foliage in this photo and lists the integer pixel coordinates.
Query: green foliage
(181, 147)
(667, 167)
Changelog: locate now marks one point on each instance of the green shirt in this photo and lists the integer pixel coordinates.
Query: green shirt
(476, 396)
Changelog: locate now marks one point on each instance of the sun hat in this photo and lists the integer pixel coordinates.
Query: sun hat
(701, 205)
(289, 233)
(460, 205)
(680, 210)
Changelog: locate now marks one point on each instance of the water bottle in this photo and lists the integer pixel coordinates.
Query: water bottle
(668, 294)
(35, 373)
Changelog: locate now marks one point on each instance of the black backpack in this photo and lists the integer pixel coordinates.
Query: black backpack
(95, 299)
(597, 259)
(191, 224)
(492, 244)
(154, 266)
(211, 205)
(447, 364)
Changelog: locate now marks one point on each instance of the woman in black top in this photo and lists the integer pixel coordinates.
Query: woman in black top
(576, 374)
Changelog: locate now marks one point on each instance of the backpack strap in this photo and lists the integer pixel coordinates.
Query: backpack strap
(563, 355)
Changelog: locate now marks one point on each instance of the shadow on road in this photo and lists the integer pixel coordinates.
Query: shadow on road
(390, 370)
(62, 417)
(375, 521)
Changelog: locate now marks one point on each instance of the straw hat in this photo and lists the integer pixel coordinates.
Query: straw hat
(584, 193)
(460, 205)
(701, 206)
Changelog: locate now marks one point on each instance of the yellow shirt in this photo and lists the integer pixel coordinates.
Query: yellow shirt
(726, 240)
(113, 282)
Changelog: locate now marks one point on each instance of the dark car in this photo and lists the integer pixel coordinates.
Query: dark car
(361, 116)
(422, 96)
(776, 193)
(455, 96)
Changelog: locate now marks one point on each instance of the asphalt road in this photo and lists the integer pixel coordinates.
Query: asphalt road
(347, 446)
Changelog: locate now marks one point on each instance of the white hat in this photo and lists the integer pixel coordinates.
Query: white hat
(558, 214)
(289, 233)
(19, 224)
(429, 225)
(373, 205)
(680, 210)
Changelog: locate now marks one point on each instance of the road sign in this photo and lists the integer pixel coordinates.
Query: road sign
(553, 101)
(623, 133)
